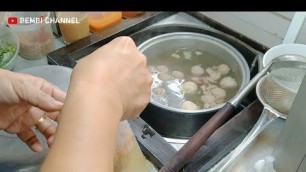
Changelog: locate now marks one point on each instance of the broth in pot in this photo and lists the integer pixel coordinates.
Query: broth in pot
(193, 72)
(191, 79)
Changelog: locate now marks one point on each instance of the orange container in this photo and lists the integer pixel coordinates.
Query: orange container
(128, 14)
(100, 20)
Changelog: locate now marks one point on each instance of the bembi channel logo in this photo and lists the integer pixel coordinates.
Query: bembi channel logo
(42, 19)
(12, 20)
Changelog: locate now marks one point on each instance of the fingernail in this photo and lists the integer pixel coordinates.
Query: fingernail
(37, 147)
(50, 140)
(57, 104)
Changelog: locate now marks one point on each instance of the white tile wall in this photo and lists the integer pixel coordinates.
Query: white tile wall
(267, 28)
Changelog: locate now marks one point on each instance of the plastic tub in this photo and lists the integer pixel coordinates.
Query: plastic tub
(8, 38)
(36, 39)
(72, 32)
(100, 20)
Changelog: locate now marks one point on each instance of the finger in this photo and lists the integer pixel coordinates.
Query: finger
(53, 91)
(41, 99)
(53, 115)
(47, 127)
(29, 137)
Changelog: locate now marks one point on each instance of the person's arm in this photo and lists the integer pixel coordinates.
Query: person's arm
(109, 85)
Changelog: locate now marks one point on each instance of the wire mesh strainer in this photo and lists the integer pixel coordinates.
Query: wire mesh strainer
(276, 91)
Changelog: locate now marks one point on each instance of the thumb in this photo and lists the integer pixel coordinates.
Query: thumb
(40, 99)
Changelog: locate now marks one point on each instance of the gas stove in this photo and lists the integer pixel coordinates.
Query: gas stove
(159, 148)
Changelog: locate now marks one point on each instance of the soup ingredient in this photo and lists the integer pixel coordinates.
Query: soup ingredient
(189, 87)
(162, 68)
(198, 53)
(34, 46)
(177, 74)
(7, 51)
(224, 69)
(228, 82)
(74, 31)
(164, 77)
(175, 55)
(189, 105)
(219, 93)
(208, 98)
(197, 70)
(213, 74)
(187, 55)
(158, 90)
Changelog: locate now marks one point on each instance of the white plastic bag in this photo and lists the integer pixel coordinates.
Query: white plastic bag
(128, 155)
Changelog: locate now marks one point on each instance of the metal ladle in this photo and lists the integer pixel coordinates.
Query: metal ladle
(202, 135)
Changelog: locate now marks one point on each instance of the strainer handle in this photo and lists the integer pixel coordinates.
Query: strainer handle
(264, 120)
(198, 139)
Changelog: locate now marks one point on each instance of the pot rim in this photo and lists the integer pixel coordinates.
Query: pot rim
(240, 59)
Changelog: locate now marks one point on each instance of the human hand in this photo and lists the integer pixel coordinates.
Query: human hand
(24, 99)
(120, 70)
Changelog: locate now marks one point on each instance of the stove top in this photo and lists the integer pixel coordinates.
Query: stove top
(158, 147)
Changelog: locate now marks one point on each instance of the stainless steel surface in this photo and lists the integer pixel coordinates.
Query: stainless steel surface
(274, 96)
(259, 148)
(204, 43)
(290, 150)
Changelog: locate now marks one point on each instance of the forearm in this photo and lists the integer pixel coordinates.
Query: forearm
(85, 138)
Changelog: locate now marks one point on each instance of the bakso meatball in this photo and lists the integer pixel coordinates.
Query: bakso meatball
(187, 55)
(197, 70)
(228, 82)
(189, 105)
(213, 74)
(189, 87)
(162, 68)
(158, 90)
(208, 98)
(198, 53)
(200, 80)
(224, 69)
(174, 55)
(219, 93)
(177, 74)
(164, 77)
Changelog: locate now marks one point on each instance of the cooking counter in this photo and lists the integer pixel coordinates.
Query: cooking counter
(158, 148)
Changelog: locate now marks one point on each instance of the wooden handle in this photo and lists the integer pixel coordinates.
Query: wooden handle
(198, 139)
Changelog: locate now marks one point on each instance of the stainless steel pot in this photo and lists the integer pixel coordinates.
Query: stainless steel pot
(179, 123)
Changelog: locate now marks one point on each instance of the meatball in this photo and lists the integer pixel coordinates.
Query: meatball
(164, 77)
(197, 70)
(177, 74)
(198, 53)
(174, 55)
(200, 80)
(213, 74)
(228, 82)
(187, 55)
(208, 98)
(189, 105)
(162, 68)
(224, 69)
(219, 93)
(189, 87)
(158, 90)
